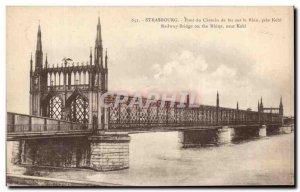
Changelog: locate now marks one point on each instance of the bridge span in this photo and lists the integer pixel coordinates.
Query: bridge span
(22, 126)
(51, 142)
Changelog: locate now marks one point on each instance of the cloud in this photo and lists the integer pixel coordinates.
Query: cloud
(224, 71)
(188, 71)
(185, 63)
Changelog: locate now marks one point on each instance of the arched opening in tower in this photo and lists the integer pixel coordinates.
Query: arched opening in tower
(79, 110)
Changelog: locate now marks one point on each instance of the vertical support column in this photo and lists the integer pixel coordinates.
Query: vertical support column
(128, 111)
(90, 108)
(106, 117)
(167, 114)
(217, 114)
(139, 114)
(237, 117)
(13, 128)
(45, 124)
(221, 119)
(175, 115)
(29, 124)
(119, 114)
(58, 126)
(30, 101)
(197, 116)
(100, 112)
(64, 80)
(157, 117)
(16, 152)
(103, 112)
(22, 151)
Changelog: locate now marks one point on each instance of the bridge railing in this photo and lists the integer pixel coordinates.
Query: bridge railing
(20, 123)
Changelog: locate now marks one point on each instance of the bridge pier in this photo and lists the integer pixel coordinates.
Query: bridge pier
(105, 151)
(263, 131)
(224, 135)
(285, 129)
(109, 151)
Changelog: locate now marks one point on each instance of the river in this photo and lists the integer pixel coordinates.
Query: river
(157, 159)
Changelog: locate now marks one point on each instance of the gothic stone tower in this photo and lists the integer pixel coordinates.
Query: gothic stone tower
(70, 91)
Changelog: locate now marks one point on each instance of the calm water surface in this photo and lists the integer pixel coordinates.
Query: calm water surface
(158, 159)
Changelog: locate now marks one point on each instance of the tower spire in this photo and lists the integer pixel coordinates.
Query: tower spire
(98, 45)
(39, 39)
(99, 38)
(237, 105)
(261, 104)
(39, 51)
(281, 107)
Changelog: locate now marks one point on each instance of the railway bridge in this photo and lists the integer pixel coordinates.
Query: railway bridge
(68, 127)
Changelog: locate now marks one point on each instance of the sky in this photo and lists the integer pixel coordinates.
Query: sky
(241, 64)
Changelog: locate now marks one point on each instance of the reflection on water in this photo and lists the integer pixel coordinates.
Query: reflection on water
(273, 130)
(198, 138)
(160, 159)
(205, 138)
(216, 137)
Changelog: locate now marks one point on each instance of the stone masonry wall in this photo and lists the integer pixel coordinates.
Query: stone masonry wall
(109, 152)
(109, 156)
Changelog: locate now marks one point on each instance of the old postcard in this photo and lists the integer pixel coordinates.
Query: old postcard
(150, 96)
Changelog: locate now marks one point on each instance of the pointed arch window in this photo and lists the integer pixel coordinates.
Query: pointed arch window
(55, 108)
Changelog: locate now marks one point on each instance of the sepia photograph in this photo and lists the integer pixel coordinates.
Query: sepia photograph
(150, 96)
